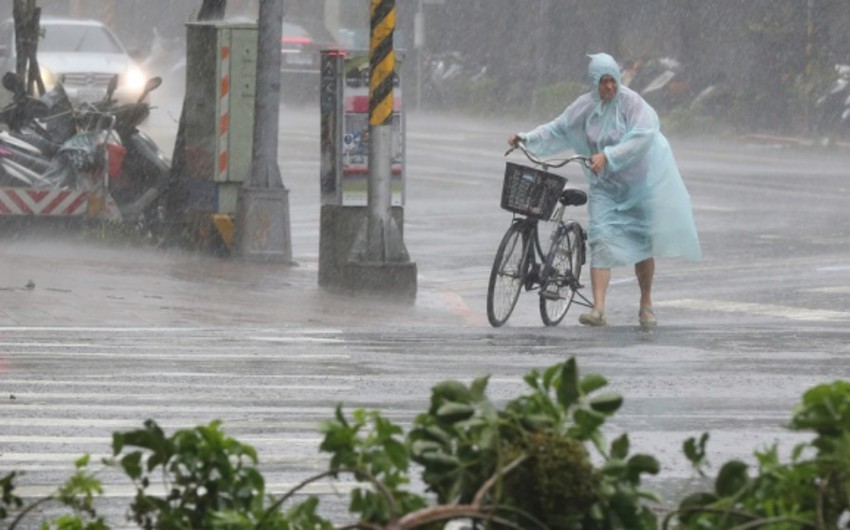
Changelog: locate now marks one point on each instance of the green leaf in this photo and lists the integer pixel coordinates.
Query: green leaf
(592, 382)
(397, 453)
(453, 412)
(697, 500)
(532, 379)
(607, 403)
(731, 478)
(588, 420)
(435, 433)
(131, 464)
(419, 447)
(550, 374)
(489, 438)
(825, 409)
(568, 390)
(620, 447)
(449, 391)
(641, 463)
(479, 387)
(537, 422)
(439, 459)
(340, 417)
(614, 468)
(83, 461)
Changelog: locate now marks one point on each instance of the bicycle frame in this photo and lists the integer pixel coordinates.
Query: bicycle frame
(554, 270)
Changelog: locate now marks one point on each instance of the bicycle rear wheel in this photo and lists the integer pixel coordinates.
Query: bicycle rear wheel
(507, 276)
(561, 274)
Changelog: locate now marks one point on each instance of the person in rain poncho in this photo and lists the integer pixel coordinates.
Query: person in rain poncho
(638, 206)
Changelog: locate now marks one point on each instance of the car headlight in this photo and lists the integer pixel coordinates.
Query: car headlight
(135, 79)
(48, 77)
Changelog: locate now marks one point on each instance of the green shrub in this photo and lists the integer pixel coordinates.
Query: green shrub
(524, 465)
(812, 490)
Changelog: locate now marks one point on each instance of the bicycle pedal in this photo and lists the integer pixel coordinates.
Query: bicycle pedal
(550, 295)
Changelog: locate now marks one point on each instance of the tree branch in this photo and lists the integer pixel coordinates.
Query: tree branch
(479, 495)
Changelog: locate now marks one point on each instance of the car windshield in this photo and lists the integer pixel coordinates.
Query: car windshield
(78, 38)
(307, 30)
(292, 31)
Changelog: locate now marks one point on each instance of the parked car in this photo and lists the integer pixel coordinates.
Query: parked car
(301, 42)
(85, 54)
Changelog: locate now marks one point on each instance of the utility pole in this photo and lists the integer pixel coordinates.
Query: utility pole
(379, 261)
(262, 227)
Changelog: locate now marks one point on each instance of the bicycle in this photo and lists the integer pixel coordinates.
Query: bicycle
(532, 194)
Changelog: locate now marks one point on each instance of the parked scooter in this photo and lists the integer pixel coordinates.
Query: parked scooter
(144, 168)
(662, 82)
(22, 163)
(41, 130)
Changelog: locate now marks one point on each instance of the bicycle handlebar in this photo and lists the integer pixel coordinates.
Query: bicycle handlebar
(585, 160)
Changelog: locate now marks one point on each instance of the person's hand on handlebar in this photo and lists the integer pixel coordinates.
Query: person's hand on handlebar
(514, 139)
(598, 162)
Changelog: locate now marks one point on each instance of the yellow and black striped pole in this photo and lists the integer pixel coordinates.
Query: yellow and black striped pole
(384, 240)
(381, 62)
(378, 261)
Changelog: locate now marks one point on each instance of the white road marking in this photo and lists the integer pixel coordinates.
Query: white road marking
(135, 423)
(184, 356)
(118, 330)
(838, 289)
(793, 313)
(322, 385)
(107, 441)
(834, 268)
(296, 339)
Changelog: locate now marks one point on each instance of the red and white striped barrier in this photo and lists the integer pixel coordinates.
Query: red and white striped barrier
(224, 114)
(49, 202)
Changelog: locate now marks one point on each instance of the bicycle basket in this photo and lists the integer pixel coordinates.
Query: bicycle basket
(530, 191)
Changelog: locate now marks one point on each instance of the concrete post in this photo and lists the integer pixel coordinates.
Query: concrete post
(262, 228)
(379, 262)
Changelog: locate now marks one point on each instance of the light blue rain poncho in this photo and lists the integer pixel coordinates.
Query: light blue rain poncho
(638, 205)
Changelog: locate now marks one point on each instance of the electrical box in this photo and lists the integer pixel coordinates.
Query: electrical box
(221, 65)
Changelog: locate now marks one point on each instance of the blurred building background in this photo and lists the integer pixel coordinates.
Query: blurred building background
(134, 20)
(774, 57)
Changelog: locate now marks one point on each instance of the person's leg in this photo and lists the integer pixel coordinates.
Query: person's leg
(645, 271)
(599, 280)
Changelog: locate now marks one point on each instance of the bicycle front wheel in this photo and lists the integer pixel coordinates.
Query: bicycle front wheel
(507, 276)
(561, 274)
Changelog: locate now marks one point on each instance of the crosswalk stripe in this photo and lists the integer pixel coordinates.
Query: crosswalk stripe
(319, 386)
(789, 312)
(107, 440)
(184, 356)
(839, 289)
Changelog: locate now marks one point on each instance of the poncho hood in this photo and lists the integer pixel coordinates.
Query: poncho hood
(602, 64)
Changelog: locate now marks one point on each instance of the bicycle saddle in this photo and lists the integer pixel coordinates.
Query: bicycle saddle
(573, 197)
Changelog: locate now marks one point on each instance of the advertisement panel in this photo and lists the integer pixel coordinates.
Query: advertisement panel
(354, 150)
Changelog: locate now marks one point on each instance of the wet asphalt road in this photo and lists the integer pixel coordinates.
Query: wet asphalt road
(109, 336)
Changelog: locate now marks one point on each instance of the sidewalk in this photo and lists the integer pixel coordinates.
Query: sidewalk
(72, 282)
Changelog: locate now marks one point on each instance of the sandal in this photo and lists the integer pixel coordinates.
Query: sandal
(646, 317)
(595, 318)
